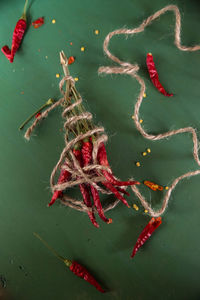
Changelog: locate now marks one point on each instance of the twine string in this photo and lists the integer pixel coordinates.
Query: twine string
(130, 69)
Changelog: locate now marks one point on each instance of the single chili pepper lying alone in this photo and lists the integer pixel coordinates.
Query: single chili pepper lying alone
(146, 233)
(37, 23)
(153, 186)
(154, 75)
(74, 266)
(17, 36)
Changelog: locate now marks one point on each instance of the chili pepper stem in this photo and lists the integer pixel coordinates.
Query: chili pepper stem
(51, 249)
(49, 102)
(24, 12)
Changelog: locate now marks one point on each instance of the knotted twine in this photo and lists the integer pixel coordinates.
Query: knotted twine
(130, 69)
(67, 159)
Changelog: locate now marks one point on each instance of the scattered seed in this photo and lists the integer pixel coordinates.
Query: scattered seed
(76, 79)
(46, 56)
(133, 117)
(71, 43)
(144, 153)
(148, 150)
(144, 95)
(53, 21)
(138, 164)
(96, 31)
(135, 207)
(82, 49)
(141, 121)
(146, 211)
(57, 75)
(166, 187)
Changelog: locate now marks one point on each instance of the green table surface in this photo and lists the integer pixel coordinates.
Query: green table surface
(168, 266)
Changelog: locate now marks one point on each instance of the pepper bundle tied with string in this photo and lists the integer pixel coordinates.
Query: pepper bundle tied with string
(83, 161)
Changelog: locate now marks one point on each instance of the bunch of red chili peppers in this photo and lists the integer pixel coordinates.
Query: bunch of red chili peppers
(83, 153)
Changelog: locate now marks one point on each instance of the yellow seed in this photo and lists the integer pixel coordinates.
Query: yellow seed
(46, 56)
(144, 95)
(166, 187)
(82, 49)
(146, 211)
(76, 78)
(144, 153)
(135, 207)
(57, 75)
(138, 164)
(141, 121)
(96, 31)
(133, 117)
(148, 150)
(53, 21)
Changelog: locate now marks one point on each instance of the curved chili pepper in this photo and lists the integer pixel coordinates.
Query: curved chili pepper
(82, 272)
(37, 23)
(18, 34)
(110, 187)
(146, 233)
(154, 75)
(153, 186)
(86, 198)
(98, 205)
(64, 177)
(87, 159)
(102, 158)
(84, 188)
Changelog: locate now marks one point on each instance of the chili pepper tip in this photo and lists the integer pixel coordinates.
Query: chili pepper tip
(109, 221)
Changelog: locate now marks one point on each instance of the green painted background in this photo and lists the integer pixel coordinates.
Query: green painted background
(168, 266)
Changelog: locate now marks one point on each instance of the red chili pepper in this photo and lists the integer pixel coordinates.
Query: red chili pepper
(84, 188)
(110, 187)
(86, 198)
(87, 159)
(154, 75)
(82, 272)
(71, 60)
(37, 23)
(17, 36)
(38, 115)
(74, 266)
(64, 177)
(102, 158)
(97, 203)
(146, 233)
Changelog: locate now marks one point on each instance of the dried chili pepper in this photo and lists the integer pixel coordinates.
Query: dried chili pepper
(146, 233)
(74, 266)
(71, 60)
(114, 190)
(153, 186)
(82, 272)
(84, 188)
(102, 158)
(38, 115)
(37, 23)
(18, 34)
(87, 159)
(154, 75)
(64, 177)
(86, 198)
